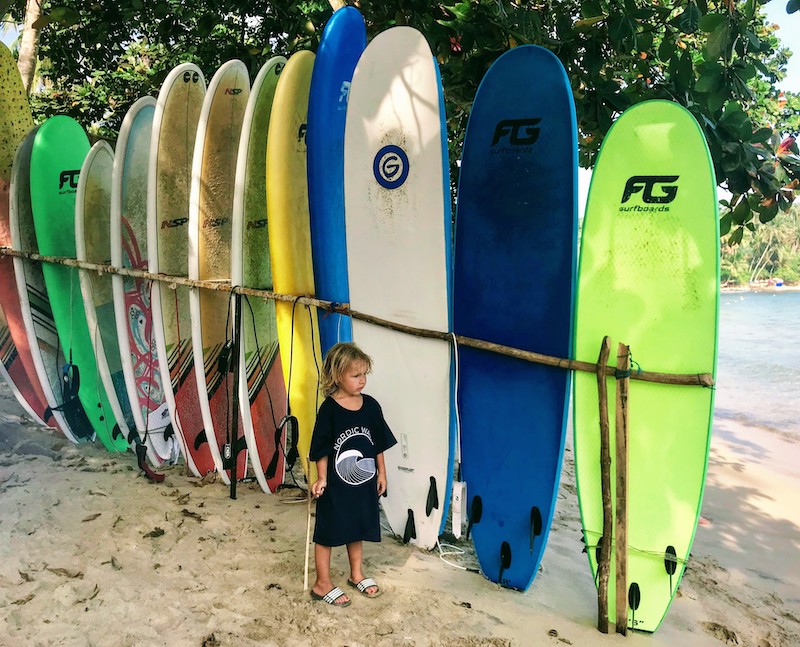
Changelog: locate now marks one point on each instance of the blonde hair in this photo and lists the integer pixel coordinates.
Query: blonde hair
(339, 359)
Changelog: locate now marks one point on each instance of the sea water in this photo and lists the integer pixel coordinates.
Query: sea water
(758, 368)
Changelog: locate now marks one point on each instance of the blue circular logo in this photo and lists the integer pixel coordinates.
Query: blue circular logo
(390, 167)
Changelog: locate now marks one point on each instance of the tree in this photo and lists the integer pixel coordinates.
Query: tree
(719, 59)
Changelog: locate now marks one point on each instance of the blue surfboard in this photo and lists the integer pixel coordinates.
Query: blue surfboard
(515, 250)
(343, 40)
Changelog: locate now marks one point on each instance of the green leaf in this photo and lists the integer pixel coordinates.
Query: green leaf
(622, 32)
(711, 79)
(725, 224)
(761, 135)
(688, 20)
(710, 22)
(65, 16)
(750, 9)
(717, 41)
(591, 8)
(736, 236)
(587, 23)
(792, 6)
(667, 49)
(742, 213)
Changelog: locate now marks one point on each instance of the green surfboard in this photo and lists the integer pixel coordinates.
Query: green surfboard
(649, 278)
(59, 149)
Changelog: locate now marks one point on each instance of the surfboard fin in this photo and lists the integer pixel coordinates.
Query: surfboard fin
(634, 599)
(200, 439)
(433, 498)
(169, 432)
(536, 525)
(116, 432)
(475, 513)
(670, 563)
(411, 529)
(505, 560)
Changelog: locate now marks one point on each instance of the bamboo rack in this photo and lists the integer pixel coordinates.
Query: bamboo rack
(690, 379)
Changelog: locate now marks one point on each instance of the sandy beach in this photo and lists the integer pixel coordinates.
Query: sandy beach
(92, 554)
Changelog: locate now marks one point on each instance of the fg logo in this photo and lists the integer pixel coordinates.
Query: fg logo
(647, 184)
(390, 167)
(520, 132)
(194, 77)
(68, 177)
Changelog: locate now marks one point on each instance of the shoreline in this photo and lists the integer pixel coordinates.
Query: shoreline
(91, 553)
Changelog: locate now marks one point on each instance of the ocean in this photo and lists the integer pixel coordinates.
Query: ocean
(758, 368)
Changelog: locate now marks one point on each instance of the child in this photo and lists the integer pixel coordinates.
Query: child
(349, 439)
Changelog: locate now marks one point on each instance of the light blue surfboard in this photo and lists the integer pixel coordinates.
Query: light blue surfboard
(343, 40)
(514, 269)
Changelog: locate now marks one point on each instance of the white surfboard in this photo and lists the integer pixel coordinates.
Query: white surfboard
(93, 244)
(396, 213)
(210, 227)
(37, 316)
(169, 182)
(132, 296)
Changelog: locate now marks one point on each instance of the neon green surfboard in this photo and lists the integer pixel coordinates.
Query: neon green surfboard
(59, 150)
(649, 278)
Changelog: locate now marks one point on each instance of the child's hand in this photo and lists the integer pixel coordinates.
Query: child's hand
(318, 487)
(381, 483)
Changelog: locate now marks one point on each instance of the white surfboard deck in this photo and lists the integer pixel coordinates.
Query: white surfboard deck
(397, 264)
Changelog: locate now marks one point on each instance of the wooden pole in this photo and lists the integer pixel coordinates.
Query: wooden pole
(687, 379)
(308, 524)
(604, 560)
(621, 522)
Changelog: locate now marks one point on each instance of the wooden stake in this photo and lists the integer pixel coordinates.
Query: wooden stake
(308, 524)
(621, 522)
(604, 561)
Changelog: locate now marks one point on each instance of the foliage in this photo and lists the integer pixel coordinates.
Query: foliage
(770, 252)
(719, 59)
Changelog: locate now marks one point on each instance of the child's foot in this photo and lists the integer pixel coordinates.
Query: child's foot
(335, 597)
(367, 586)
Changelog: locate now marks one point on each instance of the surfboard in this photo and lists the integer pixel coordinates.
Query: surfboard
(649, 277)
(290, 248)
(16, 361)
(59, 149)
(262, 391)
(132, 297)
(170, 177)
(210, 228)
(514, 270)
(37, 315)
(343, 40)
(398, 223)
(93, 244)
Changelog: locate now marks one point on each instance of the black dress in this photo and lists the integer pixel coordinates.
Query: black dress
(348, 511)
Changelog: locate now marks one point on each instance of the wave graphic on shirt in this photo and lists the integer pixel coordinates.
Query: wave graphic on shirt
(353, 468)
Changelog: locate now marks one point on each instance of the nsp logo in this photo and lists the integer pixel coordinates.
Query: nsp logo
(257, 224)
(520, 132)
(68, 177)
(214, 222)
(233, 91)
(175, 222)
(646, 184)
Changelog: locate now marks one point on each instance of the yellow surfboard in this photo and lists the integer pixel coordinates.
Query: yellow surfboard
(290, 246)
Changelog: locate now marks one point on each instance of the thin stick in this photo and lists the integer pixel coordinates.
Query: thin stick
(308, 525)
(604, 561)
(684, 379)
(623, 365)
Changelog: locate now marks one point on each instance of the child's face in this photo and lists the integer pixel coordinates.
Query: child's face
(354, 379)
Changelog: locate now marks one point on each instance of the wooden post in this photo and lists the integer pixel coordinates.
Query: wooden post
(604, 560)
(621, 522)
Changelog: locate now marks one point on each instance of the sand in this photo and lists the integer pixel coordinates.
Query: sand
(91, 553)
